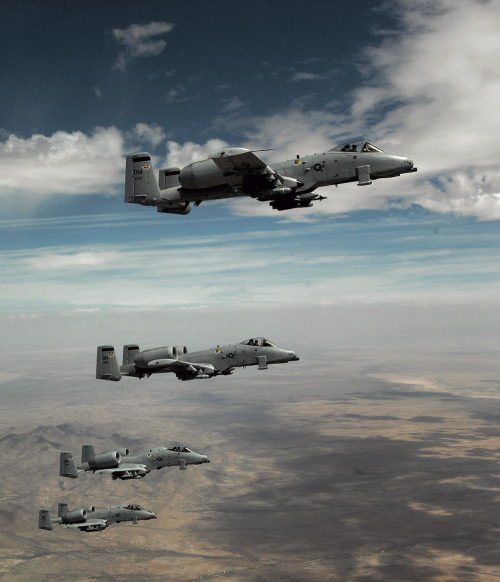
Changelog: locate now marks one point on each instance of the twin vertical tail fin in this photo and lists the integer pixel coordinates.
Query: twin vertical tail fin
(62, 509)
(44, 520)
(129, 353)
(107, 367)
(88, 452)
(141, 185)
(67, 465)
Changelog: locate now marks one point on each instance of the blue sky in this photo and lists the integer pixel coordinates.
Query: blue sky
(87, 83)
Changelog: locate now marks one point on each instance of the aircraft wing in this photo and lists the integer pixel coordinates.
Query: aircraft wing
(178, 365)
(124, 468)
(88, 524)
(238, 160)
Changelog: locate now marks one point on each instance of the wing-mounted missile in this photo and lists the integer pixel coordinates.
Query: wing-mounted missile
(125, 474)
(195, 372)
(173, 208)
(300, 201)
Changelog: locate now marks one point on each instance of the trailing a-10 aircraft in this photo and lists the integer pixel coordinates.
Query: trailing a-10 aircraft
(237, 172)
(189, 366)
(90, 519)
(120, 464)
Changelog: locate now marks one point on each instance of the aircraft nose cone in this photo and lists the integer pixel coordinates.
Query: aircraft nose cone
(294, 357)
(409, 166)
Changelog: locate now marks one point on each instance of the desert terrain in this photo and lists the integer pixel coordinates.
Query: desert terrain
(352, 464)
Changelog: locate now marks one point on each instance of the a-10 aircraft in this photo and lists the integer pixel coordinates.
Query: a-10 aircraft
(221, 360)
(120, 464)
(90, 519)
(237, 172)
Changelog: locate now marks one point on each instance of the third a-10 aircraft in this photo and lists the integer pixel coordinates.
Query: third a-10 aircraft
(221, 360)
(120, 464)
(237, 172)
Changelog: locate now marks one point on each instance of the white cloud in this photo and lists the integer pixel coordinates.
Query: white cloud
(305, 76)
(257, 268)
(75, 259)
(32, 169)
(181, 155)
(63, 163)
(139, 41)
(147, 134)
(440, 80)
(232, 104)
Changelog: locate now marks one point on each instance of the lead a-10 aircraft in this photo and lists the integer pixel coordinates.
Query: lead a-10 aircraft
(189, 366)
(90, 519)
(239, 172)
(122, 465)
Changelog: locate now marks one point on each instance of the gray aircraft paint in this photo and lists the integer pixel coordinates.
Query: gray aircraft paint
(221, 360)
(89, 519)
(239, 172)
(120, 464)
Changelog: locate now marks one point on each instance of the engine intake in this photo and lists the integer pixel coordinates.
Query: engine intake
(181, 350)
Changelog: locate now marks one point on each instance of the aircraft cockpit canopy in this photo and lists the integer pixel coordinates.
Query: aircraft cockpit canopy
(357, 146)
(133, 507)
(260, 342)
(181, 450)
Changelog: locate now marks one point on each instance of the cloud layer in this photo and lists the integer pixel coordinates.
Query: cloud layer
(275, 268)
(140, 41)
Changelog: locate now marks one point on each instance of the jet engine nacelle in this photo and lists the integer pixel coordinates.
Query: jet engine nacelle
(106, 460)
(204, 174)
(74, 516)
(181, 350)
(89, 508)
(142, 359)
(124, 452)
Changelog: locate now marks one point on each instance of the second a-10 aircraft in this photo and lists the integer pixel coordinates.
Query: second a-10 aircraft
(92, 519)
(237, 172)
(120, 464)
(221, 360)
